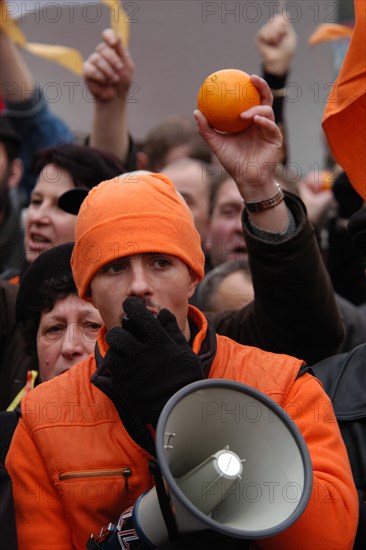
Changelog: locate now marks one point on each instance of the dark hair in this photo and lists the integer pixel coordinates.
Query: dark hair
(51, 291)
(11, 149)
(87, 166)
(9, 138)
(46, 280)
(348, 200)
(173, 132)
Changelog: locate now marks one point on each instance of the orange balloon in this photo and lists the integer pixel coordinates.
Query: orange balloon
(224, 95)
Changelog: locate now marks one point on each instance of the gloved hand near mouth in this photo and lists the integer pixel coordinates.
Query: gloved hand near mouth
(150, 361)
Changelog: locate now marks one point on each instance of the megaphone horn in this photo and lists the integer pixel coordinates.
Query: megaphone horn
(233, 461)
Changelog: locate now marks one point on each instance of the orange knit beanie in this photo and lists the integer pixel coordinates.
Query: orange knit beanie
(133, 214)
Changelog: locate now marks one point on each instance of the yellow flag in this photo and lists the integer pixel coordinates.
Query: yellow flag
(69, 58)
(119, 20)
(10, 27)
(31, 379)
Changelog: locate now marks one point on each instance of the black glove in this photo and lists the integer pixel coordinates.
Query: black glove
(150, 361)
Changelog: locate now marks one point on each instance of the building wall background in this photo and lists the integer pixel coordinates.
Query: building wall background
(175, 44)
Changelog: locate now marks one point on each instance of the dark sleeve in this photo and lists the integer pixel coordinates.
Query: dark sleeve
(131, 159)
(38, 127)
(130, 162)
(294, 310)
(345, 264)
(276, 83)
(354, 320)
(14, 360)
(279, 83)
(8, 532)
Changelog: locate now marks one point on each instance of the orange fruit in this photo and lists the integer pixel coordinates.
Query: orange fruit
(225, 94)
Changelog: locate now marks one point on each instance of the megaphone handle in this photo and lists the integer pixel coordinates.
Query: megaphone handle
(164, 500)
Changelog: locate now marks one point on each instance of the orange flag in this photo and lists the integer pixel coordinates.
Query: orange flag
(329, 31)
(344, 119)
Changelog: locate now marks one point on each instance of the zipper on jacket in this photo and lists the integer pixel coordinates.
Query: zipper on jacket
(124, 472)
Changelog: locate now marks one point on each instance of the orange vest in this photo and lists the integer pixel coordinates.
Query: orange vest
(75, 468)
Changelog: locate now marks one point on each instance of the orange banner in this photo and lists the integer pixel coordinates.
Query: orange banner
(344, 119)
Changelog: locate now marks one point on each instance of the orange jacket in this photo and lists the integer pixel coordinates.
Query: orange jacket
(75, 468)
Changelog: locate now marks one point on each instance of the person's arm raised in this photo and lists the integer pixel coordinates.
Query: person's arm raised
(16, 80)
(108, 74)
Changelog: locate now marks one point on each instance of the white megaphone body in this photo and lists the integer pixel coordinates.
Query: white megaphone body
(233, 461)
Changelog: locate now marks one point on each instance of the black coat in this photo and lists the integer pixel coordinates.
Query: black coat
(294, 310)
(14, 361)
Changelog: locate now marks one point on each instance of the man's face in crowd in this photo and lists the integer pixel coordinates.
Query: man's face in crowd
(191, 180)
(225, 239)
(159, 280)
(234, 292)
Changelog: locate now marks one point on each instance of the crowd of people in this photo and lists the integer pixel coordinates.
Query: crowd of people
(130, 270)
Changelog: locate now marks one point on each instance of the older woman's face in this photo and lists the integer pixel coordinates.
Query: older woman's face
(66, 335)
(46, 224)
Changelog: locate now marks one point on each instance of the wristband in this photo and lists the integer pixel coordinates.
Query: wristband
(279, 92)
(265, 204)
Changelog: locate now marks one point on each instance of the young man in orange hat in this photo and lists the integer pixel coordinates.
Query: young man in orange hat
(81, 451)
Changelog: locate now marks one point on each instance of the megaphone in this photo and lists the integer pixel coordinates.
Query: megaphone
(232, 461)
